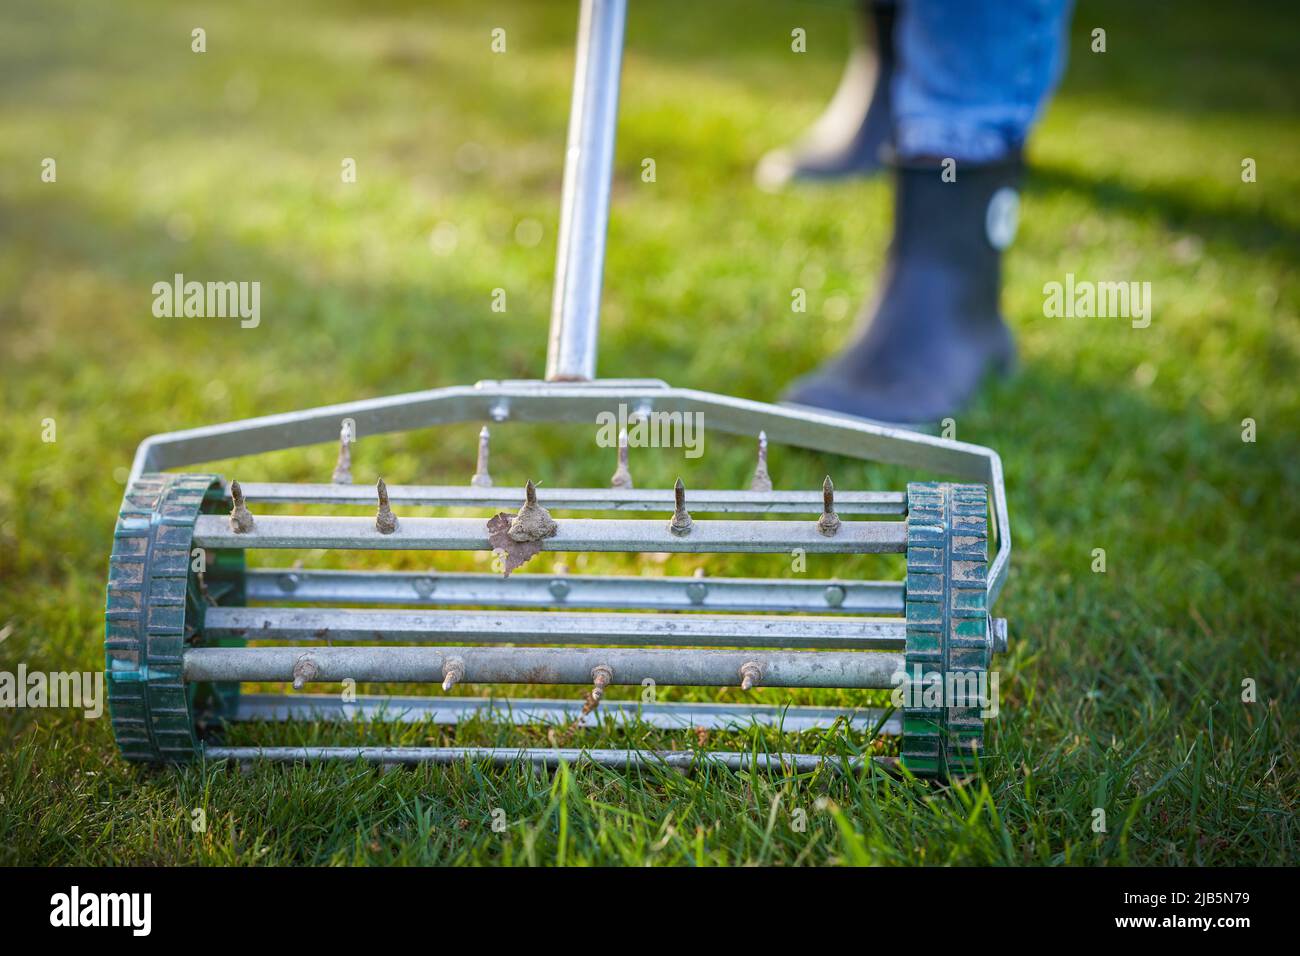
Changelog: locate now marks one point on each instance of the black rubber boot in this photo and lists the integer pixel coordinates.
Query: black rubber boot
(846, 139)
(935, 328)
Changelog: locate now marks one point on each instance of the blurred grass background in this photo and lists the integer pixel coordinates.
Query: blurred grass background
(1123, 690)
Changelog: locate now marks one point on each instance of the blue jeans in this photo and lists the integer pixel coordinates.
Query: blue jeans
(973, 75)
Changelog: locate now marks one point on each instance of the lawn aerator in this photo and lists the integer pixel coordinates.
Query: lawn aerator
(187, 620)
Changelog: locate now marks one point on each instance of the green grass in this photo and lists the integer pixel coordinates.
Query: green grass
(1122, 691)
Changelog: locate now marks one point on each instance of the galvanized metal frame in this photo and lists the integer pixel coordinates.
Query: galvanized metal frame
(580, 403)
(500, 402)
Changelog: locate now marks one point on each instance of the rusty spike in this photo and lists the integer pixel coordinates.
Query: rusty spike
(761, 481)
(241, 521)
(304, 670)
(533, 523)
(453, 672)
(829, 522)
(385, 520)
(622, 477)
(681, 523)
(601, 676)
(481, 477)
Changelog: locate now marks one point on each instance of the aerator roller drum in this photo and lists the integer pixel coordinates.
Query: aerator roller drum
(178, 590)
(181, 605)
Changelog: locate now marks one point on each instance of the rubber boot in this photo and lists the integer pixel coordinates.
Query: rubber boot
(935, 328)
(847, 139)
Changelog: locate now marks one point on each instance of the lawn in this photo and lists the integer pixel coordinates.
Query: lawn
(1123, 690)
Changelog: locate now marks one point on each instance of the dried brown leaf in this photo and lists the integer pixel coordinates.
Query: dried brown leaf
(515, 553)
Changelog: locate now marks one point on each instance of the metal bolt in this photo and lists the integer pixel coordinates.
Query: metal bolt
(829, 522)
(761, 481)
(622, 478)
(424, 586)
(559, 589)
(750, 672)
(241, 521)
(834, 595)
(453, 672)
(385, 520)
(481, 477)
(500, 411)
(304, 670)
(288, 582)
(697, 591)
(343, 467)
(681, 523)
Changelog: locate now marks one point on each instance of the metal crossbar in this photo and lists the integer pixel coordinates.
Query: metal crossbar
(579, 534)
(770, 595)
(555, 627)
(704, 501)
(542, 665)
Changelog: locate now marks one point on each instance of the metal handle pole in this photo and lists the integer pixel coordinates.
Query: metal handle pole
(584, 215)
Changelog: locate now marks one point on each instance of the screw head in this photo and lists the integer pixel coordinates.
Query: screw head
(834, 595)
(696, 591)
(559, 589)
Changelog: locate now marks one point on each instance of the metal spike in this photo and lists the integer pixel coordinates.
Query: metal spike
(761, 481)
(622, 478)
(697, 590)
(453, 672)
(681, 523)
(304, 670)
(601, 677)
(385, 520)
(533, 523)
(241, 521)
(750, 672)
(829, 522)
(481, 477)
(343, 467)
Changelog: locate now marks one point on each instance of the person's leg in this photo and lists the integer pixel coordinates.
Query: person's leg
(846, 139)
(973, 76)
(971, 79)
